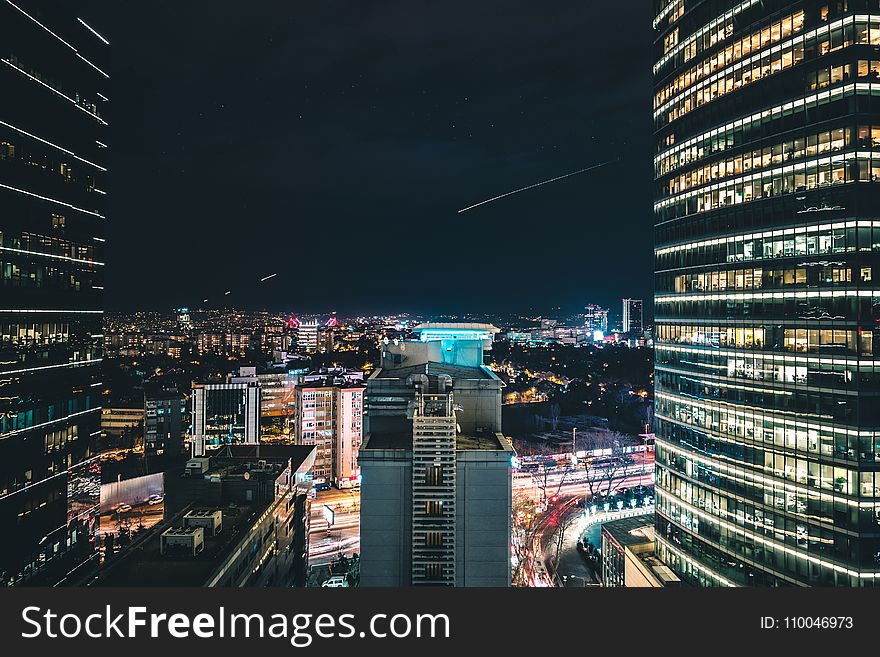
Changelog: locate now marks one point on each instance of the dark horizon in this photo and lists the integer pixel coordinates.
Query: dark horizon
(334, 146)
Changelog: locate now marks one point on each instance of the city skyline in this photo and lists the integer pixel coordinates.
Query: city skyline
(332, 331)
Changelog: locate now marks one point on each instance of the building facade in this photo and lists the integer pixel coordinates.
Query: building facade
(329, 415)
(225, 414)
(164, 418)
(596, 318)
(627, 553)
(767, 282)
(53, 144)
(632, 316)
(307, 336)
(436, 489)
(119, 421)
(239, 518)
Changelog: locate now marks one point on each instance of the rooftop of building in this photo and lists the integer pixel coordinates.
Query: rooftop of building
(457, 326)
(460, 372)
(143, 564)
(161, 389)
(396, 432)
(631, 531)
(332, 377)
(279, 453)
(241, 384)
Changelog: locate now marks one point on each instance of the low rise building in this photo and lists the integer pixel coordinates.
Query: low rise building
(628, 555)
(237, 518)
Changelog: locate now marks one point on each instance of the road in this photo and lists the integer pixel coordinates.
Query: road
(572, 569)
(577, 481)
(145, 514)
(542, 537)
(344, 537)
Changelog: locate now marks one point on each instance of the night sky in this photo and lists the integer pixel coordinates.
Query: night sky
(334, 143)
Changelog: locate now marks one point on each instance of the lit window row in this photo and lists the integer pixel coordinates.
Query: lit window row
(12, 424)
(744, 374)
(778, 457)
(816, 43)
(829, 141)
(22, 153)
(794, 306)
(812, 174)
(844, 372)
(740, 48)
(693, 571)
(715, 31)
(756, 279)
(770, 296)
(817, 560)
(31, 275)
(76, 100)
(741, 540)
(671, 12)
(761, 515)
(831, 341)
(751, 70)
(803, 477)
(738, 133)
(50, 144)
(818, 239)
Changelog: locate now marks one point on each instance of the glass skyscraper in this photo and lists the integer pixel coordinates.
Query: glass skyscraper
(767, 213)
(53, 74)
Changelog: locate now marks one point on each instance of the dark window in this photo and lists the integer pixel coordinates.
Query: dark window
(434, 476)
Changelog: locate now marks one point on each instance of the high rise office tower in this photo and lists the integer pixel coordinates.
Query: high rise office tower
(307, 336)
(53, 72)
(436, 491)
(225, 414)
(767, 214)
(164, 417)
(596, 318)
(632, 316)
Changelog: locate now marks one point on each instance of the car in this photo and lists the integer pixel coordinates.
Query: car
(123, 508)
(337, 581)
(609, 462)
(322, 485)
(155, 499)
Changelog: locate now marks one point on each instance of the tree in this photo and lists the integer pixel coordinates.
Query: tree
(609, 447)
(525, 519)
(565, 522)
(542, 483)
(554, 416)
(123, 529)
